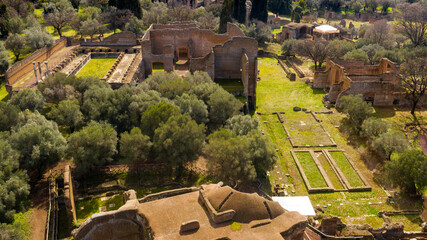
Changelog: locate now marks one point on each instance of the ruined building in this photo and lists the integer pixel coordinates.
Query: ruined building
(180, 47)
(378, 84)
(295, 31)
(195, 213)
(184, 47)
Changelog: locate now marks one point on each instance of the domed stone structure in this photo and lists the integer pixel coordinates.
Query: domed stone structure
(207, 212)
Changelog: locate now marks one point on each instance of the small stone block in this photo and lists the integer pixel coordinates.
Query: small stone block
(111, 205)
(102, 209)
(189, 226)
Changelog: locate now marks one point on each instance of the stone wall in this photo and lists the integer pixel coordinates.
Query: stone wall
(118, 39)
(167, 194)
(25, 66)
(377, 83)
(69, 194)
(122, 224)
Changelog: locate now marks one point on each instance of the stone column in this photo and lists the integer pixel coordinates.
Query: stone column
(35, 72)
(40, 70)
(47, 69)
(248, 11)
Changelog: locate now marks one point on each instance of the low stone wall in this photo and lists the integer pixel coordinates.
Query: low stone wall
(80, 65)
(296, 68)
(124, 223)
(69, 193)
(217, 217)
(289, 73)
(166, 194)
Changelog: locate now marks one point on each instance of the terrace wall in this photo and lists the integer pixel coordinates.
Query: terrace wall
(25, 66)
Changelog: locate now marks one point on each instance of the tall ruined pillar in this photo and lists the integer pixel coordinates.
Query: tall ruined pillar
(40, 70)
(248, 11)
(47, 69)
(35, 72)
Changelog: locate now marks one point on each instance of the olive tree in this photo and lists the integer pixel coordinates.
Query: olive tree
(93, 145)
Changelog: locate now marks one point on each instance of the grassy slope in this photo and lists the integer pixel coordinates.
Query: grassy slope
(96, 67)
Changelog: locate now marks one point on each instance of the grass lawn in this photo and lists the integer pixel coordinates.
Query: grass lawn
(304, 130)
(96, 67)
(276, 93)
(329, 170)
(348, 171)
(412, 222)
(85, 208)
(277, 30)
(231, 85)
(311, 170)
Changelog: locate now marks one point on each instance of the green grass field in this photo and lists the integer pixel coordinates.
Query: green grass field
(85, 208)
(329, 171)
(348, 171)
(96, 67)
(231, 85)
(304, 130)
(311, 170)
(412, 222)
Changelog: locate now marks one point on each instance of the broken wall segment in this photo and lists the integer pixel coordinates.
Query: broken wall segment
(377, 83)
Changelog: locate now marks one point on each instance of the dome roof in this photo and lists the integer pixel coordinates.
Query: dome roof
(248, 207)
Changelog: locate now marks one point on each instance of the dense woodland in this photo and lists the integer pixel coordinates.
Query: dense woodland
(173, 120)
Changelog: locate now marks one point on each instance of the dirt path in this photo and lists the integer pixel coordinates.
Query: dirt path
(39, 198)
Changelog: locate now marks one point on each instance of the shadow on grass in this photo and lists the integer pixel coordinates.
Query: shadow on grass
(384, 112)
(318, 91)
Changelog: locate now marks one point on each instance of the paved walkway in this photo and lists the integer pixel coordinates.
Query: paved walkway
(117, 75)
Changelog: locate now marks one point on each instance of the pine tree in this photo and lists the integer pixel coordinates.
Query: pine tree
(225, 17)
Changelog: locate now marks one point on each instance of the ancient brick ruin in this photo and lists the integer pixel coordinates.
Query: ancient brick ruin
(184, 47)
(378, 84)
(195, 213)
(295, 31)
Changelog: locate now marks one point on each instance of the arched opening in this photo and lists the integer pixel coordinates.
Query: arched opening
(303, 30)
(183, 53)
(126, 51)
(134, 51)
